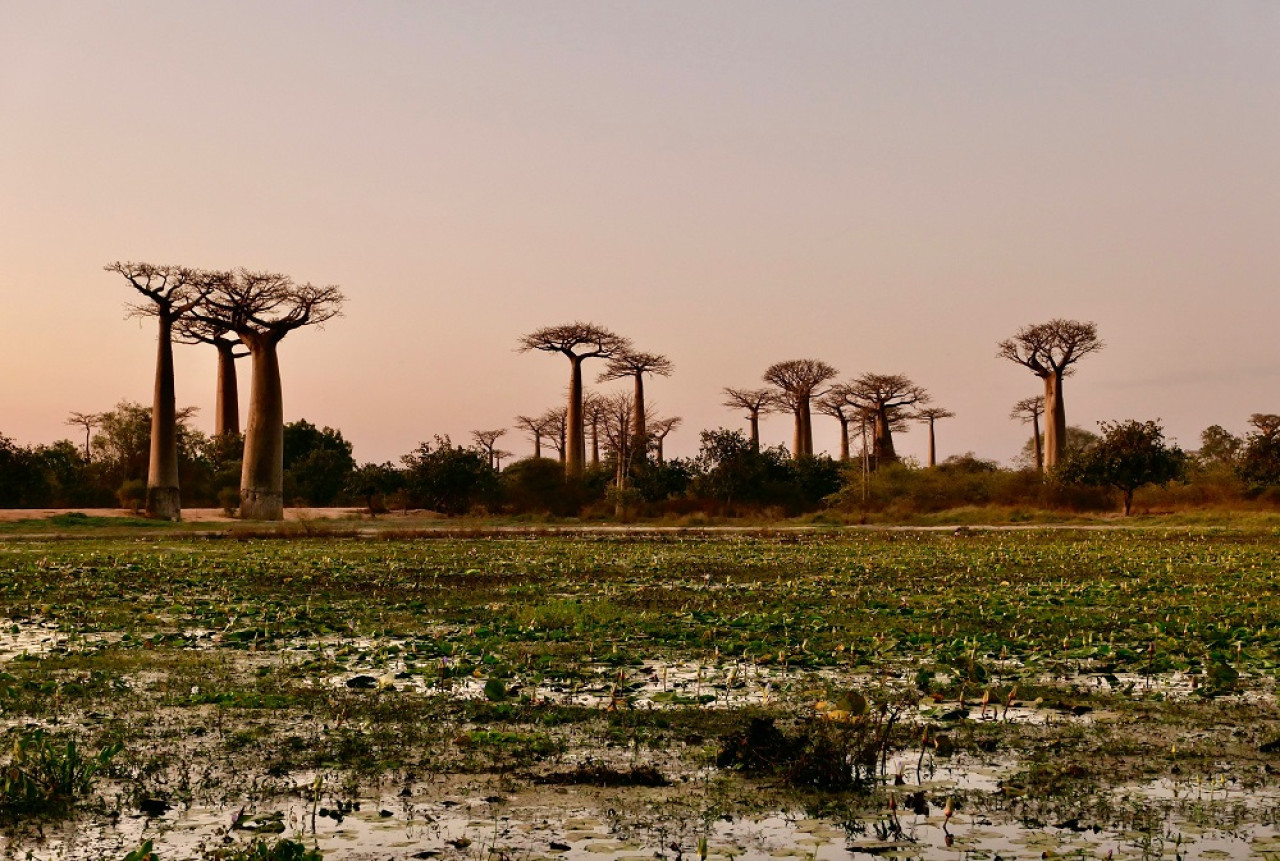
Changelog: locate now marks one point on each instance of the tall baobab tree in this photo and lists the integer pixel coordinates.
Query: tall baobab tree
(172, 292)
(618, 424)
(928, 416)
(836, 404)
(555, 429)
(88, 421)
(796, 383)
(262, 308)
(487, 440)
(194, 330)
(1050, 350)
(885, 397)
(593, 413)
(756, 402)
(536, 428)
(658, 430)
(578, 341)
(634, 365)
(1029, 411)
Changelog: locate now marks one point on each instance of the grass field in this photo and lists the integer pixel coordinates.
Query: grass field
(1117, 679)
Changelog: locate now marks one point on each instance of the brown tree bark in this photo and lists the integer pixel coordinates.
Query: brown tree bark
(1038, 443)
(1055, 426)
(164, 499)
(227, 406)
(262, 474)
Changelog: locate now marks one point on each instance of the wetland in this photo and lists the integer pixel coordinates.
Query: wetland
(824, 694)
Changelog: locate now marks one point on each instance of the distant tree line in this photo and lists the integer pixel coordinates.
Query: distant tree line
(138, 456)
(730, 475)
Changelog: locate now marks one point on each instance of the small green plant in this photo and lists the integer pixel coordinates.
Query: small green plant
(46, 777)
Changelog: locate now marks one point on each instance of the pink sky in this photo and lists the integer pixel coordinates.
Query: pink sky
(890, 187)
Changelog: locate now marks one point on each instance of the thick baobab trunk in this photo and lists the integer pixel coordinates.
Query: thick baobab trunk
(844, 438)
(576, 445)
(639, 432)
(227, 407)
(933, 451)
(1037, 443)
(885, 453)
(1055, 425)
(262, 478)
(595, 440)
(537, 445)
(658, 452)
(755, 432)
(807, 429)
(797, 439)
(163, 498)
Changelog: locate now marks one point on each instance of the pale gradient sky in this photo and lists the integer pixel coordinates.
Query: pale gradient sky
(889, 187)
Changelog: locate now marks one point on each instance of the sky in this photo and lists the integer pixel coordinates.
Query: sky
(890, 187)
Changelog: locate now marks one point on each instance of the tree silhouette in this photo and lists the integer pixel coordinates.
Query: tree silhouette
(593, 410)
(928, 416)
(488, 441)
(172, 292)
(555, 429)
(886, 398)
(634, 365)
(756, 402)
(658, 430)
(1029, 411)
(262, 308)
(795, 384)
(88, 421)
(618, 424)
(1050, 350)
(836, 404)
(578, 341)
(536, 428)
(193, 330)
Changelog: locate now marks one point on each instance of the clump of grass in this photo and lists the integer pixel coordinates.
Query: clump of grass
(259, 850)
(46, 777)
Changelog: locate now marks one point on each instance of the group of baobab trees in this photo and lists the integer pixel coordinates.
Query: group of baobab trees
(227, 309)
(882, 402)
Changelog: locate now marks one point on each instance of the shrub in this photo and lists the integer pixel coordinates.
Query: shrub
(44, 777)
(132, 494)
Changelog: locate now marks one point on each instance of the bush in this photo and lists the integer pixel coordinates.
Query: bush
(132, 494)
(44, 777)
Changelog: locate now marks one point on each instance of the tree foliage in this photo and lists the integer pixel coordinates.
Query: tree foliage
(1128, 455)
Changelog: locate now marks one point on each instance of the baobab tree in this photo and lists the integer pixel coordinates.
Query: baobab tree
(487, 440)
(1050, 350)
(928, 416)
(756, 402)
(262, 308)
(836, 404)
(194, 330)
(658, 430)
(578, 341)
(593, 410)
(536, 428)
(885, 397)
(795, 384)
(172, 292)
(631, 364)
(88, 421)
(618, 424)
(555, 429)
(1029, 411)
